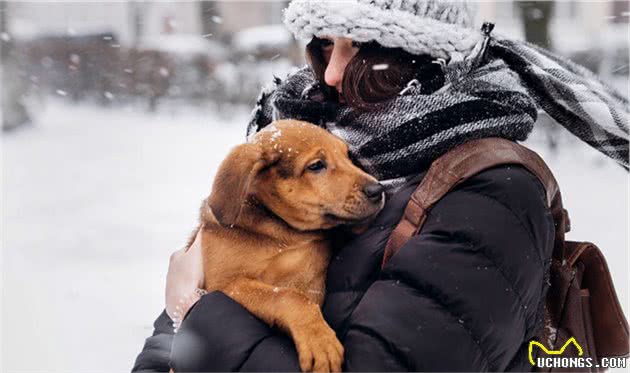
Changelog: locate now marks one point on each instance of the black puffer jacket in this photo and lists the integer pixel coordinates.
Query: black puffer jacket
(465, 294)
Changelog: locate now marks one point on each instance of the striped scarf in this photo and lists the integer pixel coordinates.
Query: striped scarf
(496, 92)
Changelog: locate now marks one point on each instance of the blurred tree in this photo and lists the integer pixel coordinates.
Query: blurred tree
(208, 12)
(13, 86)
(3, 29)
(620, 10)
(137, 11)
(536, 16)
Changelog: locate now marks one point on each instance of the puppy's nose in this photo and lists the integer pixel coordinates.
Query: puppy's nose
(374, 192)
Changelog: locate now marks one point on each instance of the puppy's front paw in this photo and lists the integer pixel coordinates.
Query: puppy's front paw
(318, 348)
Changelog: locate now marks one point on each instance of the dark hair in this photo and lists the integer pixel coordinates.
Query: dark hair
(364, 86)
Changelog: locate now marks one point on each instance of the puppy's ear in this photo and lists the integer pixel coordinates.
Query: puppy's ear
(233, 182)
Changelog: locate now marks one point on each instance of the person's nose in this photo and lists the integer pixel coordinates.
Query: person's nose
(341, 55)
(334, 72)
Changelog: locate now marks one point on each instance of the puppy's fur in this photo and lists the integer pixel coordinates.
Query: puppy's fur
(263, 229)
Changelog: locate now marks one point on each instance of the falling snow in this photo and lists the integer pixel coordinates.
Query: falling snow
(276, 135)
(536, 13)
(47, 62)
(124, 189)
(75, 59)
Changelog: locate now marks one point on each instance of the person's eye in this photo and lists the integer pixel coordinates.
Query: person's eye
(326, 43)
(356, 44)
(316, 166)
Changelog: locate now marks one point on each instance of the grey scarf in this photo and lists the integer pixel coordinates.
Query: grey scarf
(494, 93)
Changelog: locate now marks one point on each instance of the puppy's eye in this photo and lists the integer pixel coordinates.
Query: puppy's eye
(316, 166)
(356, 44)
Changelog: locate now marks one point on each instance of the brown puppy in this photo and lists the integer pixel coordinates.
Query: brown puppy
(263, 229)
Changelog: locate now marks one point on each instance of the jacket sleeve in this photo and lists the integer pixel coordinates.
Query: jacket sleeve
(218, 334)
(466, 292)
(154, 356)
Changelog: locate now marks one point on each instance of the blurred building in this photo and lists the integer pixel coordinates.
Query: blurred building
(227, 50)
(133, 20)
(130, 21)
(127, 21)
(238, 15)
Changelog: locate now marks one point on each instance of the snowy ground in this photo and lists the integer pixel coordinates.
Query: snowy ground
(95, 200)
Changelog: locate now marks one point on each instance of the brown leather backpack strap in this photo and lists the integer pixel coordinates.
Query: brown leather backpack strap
(463, 162)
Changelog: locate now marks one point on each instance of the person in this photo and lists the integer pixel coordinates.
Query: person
(403, 82)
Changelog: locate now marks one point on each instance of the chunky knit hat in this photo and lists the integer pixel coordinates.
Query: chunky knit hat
(442, 29)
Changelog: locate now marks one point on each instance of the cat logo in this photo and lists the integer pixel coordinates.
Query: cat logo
(553, 352)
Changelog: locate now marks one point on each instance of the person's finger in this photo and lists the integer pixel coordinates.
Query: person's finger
(177, 254)
(196, 249)
(196, 244)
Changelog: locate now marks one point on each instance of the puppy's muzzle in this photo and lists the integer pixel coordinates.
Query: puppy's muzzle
(374, 192)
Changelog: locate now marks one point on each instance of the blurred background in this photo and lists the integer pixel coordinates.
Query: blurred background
(115, 116)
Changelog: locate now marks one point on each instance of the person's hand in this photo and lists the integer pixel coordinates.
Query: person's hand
(184, 278)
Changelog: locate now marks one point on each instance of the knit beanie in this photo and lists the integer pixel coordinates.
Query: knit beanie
(442, 29)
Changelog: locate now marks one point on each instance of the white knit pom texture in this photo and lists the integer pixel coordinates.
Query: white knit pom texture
(442, 29)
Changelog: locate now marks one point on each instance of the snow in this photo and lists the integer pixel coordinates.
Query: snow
(95, 201)
(184, 44)
(275, 135)
(254, 38)
(75, 58)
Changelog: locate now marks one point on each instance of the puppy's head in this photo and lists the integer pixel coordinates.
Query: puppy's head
(301, 173)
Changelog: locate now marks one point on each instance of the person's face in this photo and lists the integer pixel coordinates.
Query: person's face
(337, 53)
